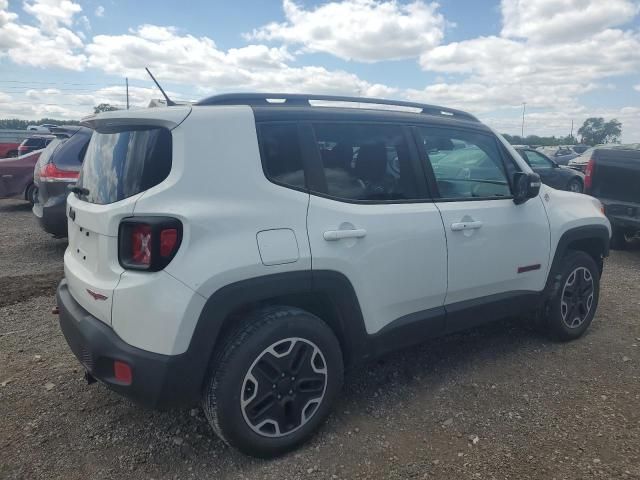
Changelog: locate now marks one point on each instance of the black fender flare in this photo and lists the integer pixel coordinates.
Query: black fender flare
(585, 232)
(332, 286)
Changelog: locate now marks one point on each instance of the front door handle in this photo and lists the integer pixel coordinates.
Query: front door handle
(334, 235)
(456, 227)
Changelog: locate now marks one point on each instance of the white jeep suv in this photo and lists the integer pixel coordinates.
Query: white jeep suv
(244, 251)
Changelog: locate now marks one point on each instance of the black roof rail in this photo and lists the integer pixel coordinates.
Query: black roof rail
(296, 99)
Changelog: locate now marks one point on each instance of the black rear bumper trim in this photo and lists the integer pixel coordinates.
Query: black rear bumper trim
(158, 380)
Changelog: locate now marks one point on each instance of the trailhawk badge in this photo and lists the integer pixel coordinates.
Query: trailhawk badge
(96, 296)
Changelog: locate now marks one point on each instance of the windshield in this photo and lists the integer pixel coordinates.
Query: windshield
(119, 165)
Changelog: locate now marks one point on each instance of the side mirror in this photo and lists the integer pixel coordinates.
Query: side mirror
(525, 186)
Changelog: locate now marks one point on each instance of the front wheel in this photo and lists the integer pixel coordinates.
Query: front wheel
(273, 381)
(621, 238)
(575, 299)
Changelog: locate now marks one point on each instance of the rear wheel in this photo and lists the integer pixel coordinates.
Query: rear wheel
(31, 194)
(575, 185)
(575, 299)
(273, 381)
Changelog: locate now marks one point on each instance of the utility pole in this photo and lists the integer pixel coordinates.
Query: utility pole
(524, 106)
(126, 81)
(571, 136)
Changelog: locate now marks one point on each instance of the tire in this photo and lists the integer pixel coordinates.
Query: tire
(30, 194)
(251, 360)
(618, 239)
(568, 319)
(575, 185)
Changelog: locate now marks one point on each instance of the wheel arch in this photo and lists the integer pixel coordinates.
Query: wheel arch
(591, 239)
(25, 193)
(327, 294)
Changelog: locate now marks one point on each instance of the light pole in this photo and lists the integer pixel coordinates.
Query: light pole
(524, 106)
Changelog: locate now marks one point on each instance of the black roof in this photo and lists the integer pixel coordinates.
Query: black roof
(297, 104)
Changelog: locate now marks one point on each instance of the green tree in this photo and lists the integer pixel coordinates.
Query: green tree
(595, 131)
(104, 107)
(17, 124)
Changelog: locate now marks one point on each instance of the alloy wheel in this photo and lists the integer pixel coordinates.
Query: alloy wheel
(577, 297)
(284, 387)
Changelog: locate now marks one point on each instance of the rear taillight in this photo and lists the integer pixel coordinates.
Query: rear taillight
(51, 173)
(588, 175)
(148, 243)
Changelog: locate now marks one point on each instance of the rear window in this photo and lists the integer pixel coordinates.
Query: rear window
(48, 151)
(120, 165)
(36, 142)
(71, 153)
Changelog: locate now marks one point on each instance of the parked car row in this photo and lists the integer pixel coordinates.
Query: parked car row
(57, 168)
(551, 173)
(612, 174)
(41, 175)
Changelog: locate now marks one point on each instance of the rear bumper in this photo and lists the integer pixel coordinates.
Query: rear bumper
(52, 216)
(157, 380)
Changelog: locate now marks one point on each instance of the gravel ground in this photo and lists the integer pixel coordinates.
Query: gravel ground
(497, 402)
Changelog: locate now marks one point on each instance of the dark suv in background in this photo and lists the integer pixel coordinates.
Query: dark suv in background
(612, 175)
(58, 167)
(36, 142)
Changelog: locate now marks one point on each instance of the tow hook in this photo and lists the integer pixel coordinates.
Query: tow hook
(55, 310)
(89, 378)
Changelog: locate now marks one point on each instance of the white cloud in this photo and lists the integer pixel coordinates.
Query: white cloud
(99, 11)
(50, 44)
(531, 60)
(363, 30)
(494, 71)
(637, 87)
(191, 60)
(52, 13)
(559, 21)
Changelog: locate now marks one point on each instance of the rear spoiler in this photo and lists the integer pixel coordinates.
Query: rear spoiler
(63, 132)
(118, 120)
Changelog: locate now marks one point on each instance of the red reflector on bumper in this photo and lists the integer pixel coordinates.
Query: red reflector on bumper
(122, 372)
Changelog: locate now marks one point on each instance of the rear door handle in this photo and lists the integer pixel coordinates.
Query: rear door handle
(334, 235)
(456, 227)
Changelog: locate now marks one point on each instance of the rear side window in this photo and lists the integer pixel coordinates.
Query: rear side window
(281, 153)
(365, 161)
(466, 165)
(119, 165)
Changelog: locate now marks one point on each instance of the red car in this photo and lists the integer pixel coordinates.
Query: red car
(16, 176)
(9, 149)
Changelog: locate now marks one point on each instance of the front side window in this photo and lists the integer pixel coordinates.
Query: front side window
(537, 160)
(281, 153)
(466, 165)
(365, 162)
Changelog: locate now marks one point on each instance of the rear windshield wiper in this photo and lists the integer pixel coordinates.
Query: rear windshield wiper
(79, 190)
